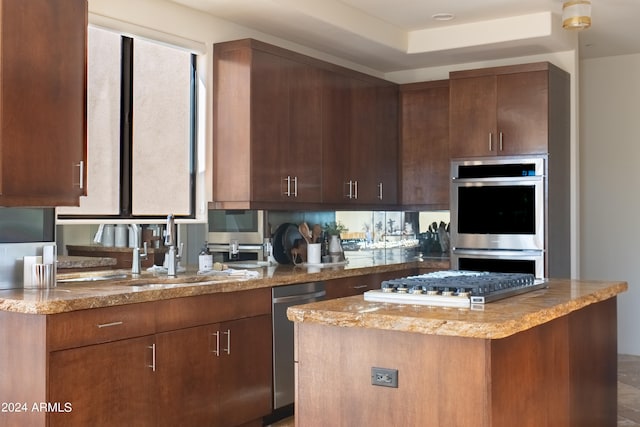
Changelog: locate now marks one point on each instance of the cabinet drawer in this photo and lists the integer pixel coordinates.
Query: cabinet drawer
(99, 325)
(179, 313)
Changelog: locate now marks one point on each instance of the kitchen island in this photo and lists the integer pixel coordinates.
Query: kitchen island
(544, 358)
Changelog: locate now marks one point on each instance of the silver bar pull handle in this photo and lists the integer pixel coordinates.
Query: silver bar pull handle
(360, 286)
(380, 191)
(490, 141)
(287, 192)
(152, 347)
(80, 166)
(217, 350)
(228, 334)
(355, 191)
(500, 146)
(108, 325)
(295, 186)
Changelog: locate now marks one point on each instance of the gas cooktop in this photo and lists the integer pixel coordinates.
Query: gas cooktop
(454, 288)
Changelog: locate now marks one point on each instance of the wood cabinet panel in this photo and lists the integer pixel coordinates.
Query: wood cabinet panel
(100, 325)
(305, 132)
(355, 285)
(224, 379)
(43, 98)
(106, 384)
(507, 111)
(424, 144)
(178, 313)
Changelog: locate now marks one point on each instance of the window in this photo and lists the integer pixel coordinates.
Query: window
(141, 128)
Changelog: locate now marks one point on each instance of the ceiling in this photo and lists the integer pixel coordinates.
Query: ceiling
(394, 35)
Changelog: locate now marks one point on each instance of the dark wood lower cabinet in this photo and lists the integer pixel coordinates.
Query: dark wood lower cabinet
(193, 361)
(103, 385)
(215, 375)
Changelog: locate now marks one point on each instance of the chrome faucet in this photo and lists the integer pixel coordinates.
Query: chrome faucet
(173, 256)
(137, 256)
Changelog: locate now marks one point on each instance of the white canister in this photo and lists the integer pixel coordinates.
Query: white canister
(122, 236)
(108, 235)
(314, 252)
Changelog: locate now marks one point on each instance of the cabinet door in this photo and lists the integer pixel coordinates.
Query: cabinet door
(523, 113)
(305, 132)
(374, 143)
(269, 126)
(336, 134)
(106, 384)
(244, 372)
(186, 363)
(424, 152)
(43, 98)
(472, 122)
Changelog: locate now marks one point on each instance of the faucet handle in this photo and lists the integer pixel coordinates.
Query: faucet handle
(180, 249)
(145, 253)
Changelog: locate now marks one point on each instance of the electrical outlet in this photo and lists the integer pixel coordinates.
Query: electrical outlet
(384, 377)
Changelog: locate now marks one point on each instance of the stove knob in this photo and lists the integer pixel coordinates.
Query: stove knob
(432, 291)
(417, 290)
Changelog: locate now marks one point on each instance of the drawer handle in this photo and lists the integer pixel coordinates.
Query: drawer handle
(108, 325)
(360, 286)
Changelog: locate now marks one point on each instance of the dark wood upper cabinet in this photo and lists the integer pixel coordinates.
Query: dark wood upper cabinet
(506, 111)
(292, 131)
(424, 145)
(43, 102)
(360, 143)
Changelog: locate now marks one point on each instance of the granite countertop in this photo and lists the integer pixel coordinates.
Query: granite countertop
(67, 262)
(494, 320)
(157, 286)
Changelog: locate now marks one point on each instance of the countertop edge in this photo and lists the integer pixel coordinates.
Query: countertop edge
(370, 319)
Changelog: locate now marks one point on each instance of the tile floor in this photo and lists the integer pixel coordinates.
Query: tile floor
(628, 393)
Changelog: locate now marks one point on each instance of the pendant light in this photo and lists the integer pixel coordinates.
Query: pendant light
(576, 14)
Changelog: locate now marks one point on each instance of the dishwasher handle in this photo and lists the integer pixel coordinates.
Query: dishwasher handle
(301, 297)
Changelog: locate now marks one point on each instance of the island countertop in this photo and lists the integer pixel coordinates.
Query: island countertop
(124, 289)
(493, 320)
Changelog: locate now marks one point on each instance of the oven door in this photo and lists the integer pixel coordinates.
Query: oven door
(498, 261)
(498, 213)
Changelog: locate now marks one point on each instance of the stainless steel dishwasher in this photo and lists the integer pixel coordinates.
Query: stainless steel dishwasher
(283, 372)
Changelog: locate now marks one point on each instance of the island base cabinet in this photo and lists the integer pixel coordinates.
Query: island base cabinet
(559, 374)
(120, 373)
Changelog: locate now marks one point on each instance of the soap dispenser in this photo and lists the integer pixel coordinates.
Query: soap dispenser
(205, 258)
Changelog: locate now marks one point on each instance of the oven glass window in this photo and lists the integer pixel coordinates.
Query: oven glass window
(233, 221)
(508, 209)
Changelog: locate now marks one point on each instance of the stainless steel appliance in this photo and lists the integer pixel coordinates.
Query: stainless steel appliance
(463, 289)
(499, 215)
(498, 203)
(283, 368)
(245, 226)
(517, 261)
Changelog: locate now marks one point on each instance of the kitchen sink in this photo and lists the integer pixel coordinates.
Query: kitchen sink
(91, 278)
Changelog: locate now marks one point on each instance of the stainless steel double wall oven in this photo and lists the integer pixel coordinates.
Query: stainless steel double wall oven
(499, 214)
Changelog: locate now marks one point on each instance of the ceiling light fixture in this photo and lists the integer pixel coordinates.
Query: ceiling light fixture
(445, 16)
(576, 14)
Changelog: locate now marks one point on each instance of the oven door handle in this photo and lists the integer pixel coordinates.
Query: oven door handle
(506, 179)
(525, 253)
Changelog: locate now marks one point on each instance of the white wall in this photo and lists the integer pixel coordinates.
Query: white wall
(609, 180)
